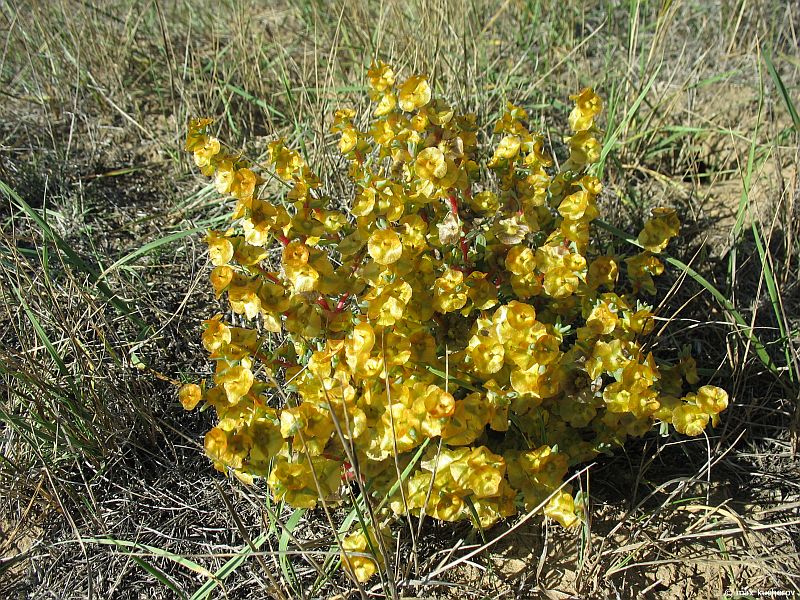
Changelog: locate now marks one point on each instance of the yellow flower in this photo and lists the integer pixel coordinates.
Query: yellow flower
(384, 247)
(386, 105)
(364, 202)
(388, 304)
(414, 93)
(641, 322)
(659, 229)
(575, 205)
(449, 291)
(196, 137)
(485, 202)
(248, 255)
(260, 222)
(711, 399)
(561, 508)
(342, 116)
(348, 140)
(603, 270)
(487, 354)
(204, 154)
(468, 421)
(511, 231)
(236, 381)
(308, 425)
(490, 510)
(546, 349)
(584, 149)
(221, 278)
(381, 76)
(220, 248)
(510, 122)
(689, 419)
(508, 147)
(431, 164)
(602, 320)
(439, 112)
(190, 395)
(216, 334)
(299, 485)
(358, 554)
(587, 106)
(482, 293)
(560, 282)
(438, 403)
(413, 235)
(641, 268)
(485, 481)
(447, 507)
(359, 344)
(520, 260)
(215, 444)
(295, 254)
(267, 442)
(244, 184)
(243, 296)
(287, 162)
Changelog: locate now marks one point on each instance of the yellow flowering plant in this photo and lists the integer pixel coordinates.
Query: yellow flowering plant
(454, 300)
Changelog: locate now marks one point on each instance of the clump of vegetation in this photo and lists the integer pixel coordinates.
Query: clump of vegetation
(454, 338)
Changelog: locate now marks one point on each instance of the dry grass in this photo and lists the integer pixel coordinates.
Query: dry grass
(104, 491)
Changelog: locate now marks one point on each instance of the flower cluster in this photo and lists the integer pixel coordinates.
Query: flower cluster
(458, 302)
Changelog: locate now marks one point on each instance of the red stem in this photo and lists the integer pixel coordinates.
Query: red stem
(268, 275)
(285, 363)
(453, 204)
(464, 249)
(324, 303)
(340, 305)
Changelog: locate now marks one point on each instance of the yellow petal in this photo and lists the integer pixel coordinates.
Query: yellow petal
(689, 420)
(414, 93)
(384, 247)
(190, 395)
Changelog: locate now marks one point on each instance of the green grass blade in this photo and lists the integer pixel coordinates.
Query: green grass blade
(258, 102)
(787, 100)
(283, 544)
(160, 576)
(227, 569)
(71, 256)
(41, 334)
(149, 247)
(774, 295)
(150, 568)
(747, 178)
(154, 551)
(611, 139)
